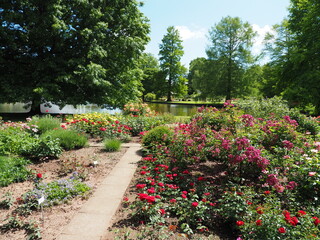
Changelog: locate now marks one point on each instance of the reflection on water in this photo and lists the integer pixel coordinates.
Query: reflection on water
(174, 109)
(68, 109)
(14, 108)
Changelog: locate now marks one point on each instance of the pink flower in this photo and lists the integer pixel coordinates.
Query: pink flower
(291, 185)
(272, 179)
(311, 174)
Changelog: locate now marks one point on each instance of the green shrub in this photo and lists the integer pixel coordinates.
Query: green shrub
(68, 139)
(142, 123)
(13, 169)
(157, 135)
(46, 123)
(112, 145)
(40, 149)
(306, 124)
(12, 140)
(263, 108)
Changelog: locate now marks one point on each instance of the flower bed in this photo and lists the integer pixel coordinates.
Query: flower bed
(268, 187)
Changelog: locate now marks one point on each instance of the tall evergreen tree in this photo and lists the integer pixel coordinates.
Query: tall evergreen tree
(71, 52)
(171, 51)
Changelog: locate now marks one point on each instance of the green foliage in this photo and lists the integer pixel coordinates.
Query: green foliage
(142, 123)
(7, 201)
(157, 135)
(171, 51)
(230, 50)
(265, 108)
(76, 51)
(112, 145)
(13, 169)
(12, 139)
(19, 141)
(46, 123)
(55, 192)
(68, 139)
(150, 97)
(41, 148)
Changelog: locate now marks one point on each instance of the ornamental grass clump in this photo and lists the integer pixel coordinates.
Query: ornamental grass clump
(68, 139)
(112, 145)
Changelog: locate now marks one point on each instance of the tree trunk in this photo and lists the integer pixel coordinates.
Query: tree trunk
(35, 108)
(169, 99)
(229, 80)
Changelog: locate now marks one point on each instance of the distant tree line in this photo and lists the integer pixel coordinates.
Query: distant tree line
(75, 52)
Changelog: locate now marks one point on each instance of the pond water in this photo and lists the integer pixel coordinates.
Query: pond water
(54, 109)
(174, 109)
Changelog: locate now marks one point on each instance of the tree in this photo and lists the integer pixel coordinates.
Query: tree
(171, 51)
(71, 52)
(304, 65)
(204, 75)
(152, 75)
(278, 45)
(231, 42)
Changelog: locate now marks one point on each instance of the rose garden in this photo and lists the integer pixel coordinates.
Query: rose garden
(239, 172)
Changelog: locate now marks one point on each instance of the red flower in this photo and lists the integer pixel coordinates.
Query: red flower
(267, 192)
(240, 223)
(281, 230)
(141, 186)
(143, 172)
(125, 199)
(39, 175)
(183, 196)
(194, 204)
(162, 211)
(173, 200)
(259, 210)
(316, 221)
(301, 213)
(259, 222)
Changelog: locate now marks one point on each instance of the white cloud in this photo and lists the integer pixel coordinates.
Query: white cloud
(186, 33)
(258, 41)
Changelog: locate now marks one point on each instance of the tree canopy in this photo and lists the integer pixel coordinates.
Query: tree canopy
(231, 42)
(71, 52)
(171, 51)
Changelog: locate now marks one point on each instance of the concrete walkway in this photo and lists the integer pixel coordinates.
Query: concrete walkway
(94, 218)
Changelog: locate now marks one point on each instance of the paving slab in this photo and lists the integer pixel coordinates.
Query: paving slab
(94, 217)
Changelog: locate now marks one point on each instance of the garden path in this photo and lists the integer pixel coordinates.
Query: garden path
(94, 218)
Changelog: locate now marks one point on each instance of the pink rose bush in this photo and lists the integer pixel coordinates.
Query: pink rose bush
(267, 186)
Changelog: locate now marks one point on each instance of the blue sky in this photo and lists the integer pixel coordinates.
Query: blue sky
(194, 18)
